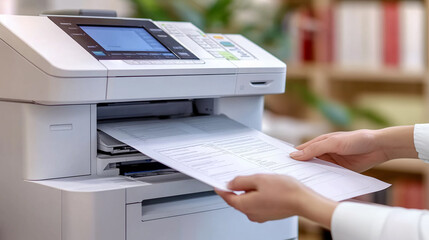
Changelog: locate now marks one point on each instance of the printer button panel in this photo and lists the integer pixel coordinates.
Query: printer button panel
(163, 62)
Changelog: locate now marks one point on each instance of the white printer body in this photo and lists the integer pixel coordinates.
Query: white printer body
(61, 76)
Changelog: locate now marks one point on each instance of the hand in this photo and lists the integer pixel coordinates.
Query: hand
(272, 197)
(360, 150)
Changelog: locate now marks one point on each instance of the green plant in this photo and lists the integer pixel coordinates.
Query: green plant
(208, 15)
(338, 114)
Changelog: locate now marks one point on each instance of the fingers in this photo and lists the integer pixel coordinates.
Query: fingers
(243, 183)
(244, 203)
(317, 148)
(240, 183)
(317, 139)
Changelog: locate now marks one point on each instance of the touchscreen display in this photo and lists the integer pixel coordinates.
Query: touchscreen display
(122, 39)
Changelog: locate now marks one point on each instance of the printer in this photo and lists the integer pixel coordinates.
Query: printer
(61, 76)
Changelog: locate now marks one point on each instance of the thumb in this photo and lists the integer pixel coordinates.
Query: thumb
(243, 183)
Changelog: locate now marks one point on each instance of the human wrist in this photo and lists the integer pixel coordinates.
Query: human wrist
(382, 141)
(396, 142)
(302, 199)
(316, 208)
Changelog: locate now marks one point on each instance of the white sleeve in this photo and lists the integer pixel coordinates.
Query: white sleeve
(357, 221)
(421, 140)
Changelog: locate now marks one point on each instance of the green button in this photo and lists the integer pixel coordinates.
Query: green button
(228, 56)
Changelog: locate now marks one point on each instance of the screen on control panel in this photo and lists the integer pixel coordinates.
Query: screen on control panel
(122, 39)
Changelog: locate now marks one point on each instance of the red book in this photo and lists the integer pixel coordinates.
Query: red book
(307, 35)
(409, 193)
(415, 195)
(326, 34)
(391, 34)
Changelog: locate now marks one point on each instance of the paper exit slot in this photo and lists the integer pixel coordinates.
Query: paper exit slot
(117, 158)
(156, 209)
(109, 145)
(143, 169)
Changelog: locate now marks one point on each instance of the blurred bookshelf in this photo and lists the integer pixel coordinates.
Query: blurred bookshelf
(380, 75)
(363, 52)
(409, 179)
(358, 41)
(338, 73)
(412, 166)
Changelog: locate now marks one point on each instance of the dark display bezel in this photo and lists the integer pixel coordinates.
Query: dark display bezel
(71, 25)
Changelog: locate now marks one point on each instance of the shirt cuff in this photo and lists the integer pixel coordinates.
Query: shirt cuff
(356, 221)
(353, 221)
(421, 141)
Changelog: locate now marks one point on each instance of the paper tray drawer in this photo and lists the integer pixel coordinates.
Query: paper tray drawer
(180, 205)
(200, 216)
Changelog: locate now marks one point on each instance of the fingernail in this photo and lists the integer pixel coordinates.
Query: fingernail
(296, 154)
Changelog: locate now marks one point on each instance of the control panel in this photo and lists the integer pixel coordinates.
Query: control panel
(121, 39)
(217, 45)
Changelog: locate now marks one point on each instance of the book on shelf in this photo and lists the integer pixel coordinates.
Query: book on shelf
(325, 33)
(360, 34)
(391, 34)
(404, 192)
(300, 30)
(412, 25)
(408, 193)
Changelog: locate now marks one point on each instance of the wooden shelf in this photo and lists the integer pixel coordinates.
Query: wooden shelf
(414, 166)
(381, 75)
(356, 74)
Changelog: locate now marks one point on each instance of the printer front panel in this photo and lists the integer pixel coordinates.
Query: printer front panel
(56, 141)
(200, 216)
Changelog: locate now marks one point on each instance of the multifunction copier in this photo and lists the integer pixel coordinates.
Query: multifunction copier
(61, 76)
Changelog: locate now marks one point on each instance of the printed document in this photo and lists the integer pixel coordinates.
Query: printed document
(216, 149)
